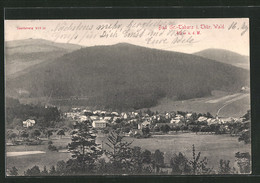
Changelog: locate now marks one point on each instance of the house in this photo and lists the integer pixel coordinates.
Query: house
(132, 121)
(104, 113)
(168, 115)
(245, 89)
(202, 119)
(175, 121)
(97, 112)
(144, 125)
(76, 109)
(28, 123)
(212, 121)
(124, 115)
(82, 118)
(188, 116)
(94, 118)
(99, 124)
(225, 120)
(87, 112)
(179, 117)
(115, 118)
(107, 118)
(114, 114)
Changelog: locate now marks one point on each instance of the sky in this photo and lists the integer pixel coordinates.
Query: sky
(182, 35)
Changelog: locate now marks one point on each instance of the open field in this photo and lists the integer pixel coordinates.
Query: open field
(214, 147)
(49, 158)
(237, 104)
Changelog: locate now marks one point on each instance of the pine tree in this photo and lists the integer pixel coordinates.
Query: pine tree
(52, 170)
(120, 153)
(44, 172)
(84, 149)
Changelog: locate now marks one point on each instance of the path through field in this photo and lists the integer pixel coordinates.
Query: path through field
(231, 100)
(22, 153)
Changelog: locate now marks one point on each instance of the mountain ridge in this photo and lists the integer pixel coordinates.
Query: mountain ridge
(125, 76)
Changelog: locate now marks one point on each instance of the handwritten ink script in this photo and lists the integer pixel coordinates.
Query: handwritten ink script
(150, 32)
(243, 28)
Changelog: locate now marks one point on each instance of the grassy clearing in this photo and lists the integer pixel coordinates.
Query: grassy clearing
(22, 163)
(214, 147)
(202, 105)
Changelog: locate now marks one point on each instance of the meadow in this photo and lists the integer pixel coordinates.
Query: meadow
(214, 147)
(236, 108)
(24, 162)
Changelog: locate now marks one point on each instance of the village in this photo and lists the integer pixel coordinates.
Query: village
(132, 123)
(144, 128)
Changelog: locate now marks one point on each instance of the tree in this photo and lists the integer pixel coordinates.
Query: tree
(146, 132)
(34, 171)
(156, 129)
(12, 136)
(146, 156)
(243, 162)
(199, 167)
(180, 164)
(60, 133)
(245, 137)
(14, 171)
(61, 167)
(176, 128)
(24, 134)
(120, 154)
(157, 160)
(149, 112)
(247, 116)
(165, 128)
(52, 147)
(183, 128)
(126, 129)
(17, 122)
(44, 172)
(224, 167)
(84, 149)
(35, 133)
(194, 128)
(52, 170)
(49, 133)
(208, 115)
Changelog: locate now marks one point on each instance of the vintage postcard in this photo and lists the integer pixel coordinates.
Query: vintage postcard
(127, 97)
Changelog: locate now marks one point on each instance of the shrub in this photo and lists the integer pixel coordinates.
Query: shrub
(34, 171)
(180, 164)
(52, 148)
(224, 167)
(243, 162)
(14, 171)
(33, 142)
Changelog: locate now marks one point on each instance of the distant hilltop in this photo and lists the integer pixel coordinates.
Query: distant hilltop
(225, 56)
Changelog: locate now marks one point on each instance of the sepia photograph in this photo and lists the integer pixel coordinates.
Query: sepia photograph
(90, 97)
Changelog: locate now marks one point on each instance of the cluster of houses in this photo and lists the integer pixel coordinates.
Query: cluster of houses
(100, 118)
